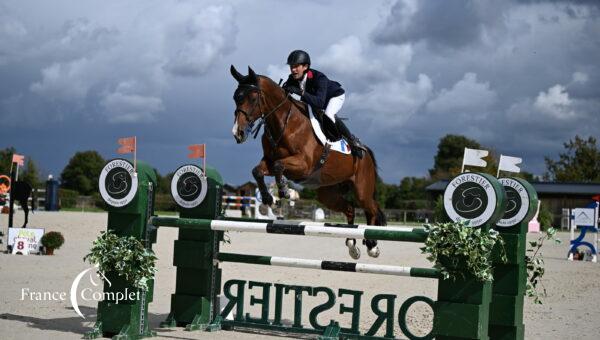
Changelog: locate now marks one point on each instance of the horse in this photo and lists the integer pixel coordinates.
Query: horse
(291, 151)
(20, 192)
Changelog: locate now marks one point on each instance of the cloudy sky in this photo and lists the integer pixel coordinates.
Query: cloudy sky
(521, 77)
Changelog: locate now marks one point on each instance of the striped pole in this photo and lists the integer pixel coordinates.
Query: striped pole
(237, 205)
(329, 265)
(356, 231)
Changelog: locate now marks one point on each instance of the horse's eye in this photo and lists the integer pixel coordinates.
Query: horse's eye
(238, 98)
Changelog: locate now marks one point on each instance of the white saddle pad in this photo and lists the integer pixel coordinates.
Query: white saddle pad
(339, 146)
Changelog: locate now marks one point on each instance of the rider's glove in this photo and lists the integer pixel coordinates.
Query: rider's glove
(293, 90)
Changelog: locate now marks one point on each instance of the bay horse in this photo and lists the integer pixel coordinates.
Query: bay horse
(291, 150)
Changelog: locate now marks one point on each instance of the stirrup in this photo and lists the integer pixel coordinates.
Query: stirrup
(357, 151)
(357, 148)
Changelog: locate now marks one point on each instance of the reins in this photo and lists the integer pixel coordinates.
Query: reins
(251, 130)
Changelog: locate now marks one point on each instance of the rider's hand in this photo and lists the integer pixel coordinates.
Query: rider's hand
(293, 90)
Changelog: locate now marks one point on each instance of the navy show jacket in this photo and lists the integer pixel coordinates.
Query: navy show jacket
(319, 89)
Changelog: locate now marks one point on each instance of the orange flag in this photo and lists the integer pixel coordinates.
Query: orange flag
(127, 145)
(19, 159)
(198, 151)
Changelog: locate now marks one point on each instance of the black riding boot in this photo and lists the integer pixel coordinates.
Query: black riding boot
(355, 145)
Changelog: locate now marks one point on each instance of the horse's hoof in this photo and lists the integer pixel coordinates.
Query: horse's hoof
(354, 252)
(267, 199)
(373, 252)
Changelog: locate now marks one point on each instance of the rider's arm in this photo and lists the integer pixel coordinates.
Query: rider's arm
(319, 99)
(289, 81)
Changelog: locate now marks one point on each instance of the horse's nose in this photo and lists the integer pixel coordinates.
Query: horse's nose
(239, 137)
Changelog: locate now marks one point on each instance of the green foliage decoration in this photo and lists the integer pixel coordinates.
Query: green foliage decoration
(126, 256)
(457, 249)
(534, 261)
(52, 240)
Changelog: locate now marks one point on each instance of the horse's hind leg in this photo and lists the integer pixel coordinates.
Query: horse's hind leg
(26, 211)
(333, 198)
(365, 195)
(372, 219)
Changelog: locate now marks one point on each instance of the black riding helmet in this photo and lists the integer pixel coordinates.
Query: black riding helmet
(298, 57)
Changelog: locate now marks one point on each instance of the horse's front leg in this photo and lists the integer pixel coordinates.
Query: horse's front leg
(26, 211)
(259, 172)
(295, 166)
(282, 185)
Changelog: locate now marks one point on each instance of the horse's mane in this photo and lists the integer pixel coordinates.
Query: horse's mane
(300, 105)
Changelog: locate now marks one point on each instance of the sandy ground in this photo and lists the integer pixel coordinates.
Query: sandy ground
(570, 311)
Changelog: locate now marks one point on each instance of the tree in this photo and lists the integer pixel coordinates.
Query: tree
(82, 172)
(30, 174)
(580, 162)
(163, 183)
(6, 160)
(410, 194)
(448, 160)
(381, 192)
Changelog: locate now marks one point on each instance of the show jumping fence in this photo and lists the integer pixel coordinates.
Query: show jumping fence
(465, 307)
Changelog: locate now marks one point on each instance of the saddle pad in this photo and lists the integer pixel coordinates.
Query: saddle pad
(339, 146)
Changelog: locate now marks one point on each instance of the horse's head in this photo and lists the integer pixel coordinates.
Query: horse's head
(247, 104)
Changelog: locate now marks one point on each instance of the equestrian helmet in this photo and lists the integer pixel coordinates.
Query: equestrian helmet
(298, 57)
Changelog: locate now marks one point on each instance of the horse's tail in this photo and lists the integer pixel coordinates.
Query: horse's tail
(380, 218)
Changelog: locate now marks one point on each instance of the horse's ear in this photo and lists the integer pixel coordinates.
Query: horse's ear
(238, 76)
(252, 76)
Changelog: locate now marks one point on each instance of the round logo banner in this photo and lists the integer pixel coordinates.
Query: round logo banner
(517, 199)
(470, 197)
(118, 183)
(189, 186)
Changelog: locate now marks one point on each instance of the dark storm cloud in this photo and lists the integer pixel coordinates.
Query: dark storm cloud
(521, 77)
(452, 23)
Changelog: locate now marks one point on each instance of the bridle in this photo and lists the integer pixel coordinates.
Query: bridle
(263, 116)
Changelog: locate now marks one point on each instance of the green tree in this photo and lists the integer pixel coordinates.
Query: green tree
(163, 182)
(580, 162)
(410, 194)
(6, 160)
(30, 174)
(82, 172)
(381, 192)
(448, 160)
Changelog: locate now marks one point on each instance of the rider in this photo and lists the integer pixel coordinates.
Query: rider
(322, 94)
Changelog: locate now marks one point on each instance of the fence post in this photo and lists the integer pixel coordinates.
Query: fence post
(130, 203)
(462, 308)
(510, 278)
(198, 279)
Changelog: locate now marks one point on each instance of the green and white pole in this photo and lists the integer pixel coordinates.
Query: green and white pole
(329, 265)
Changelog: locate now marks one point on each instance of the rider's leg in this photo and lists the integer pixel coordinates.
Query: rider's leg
(333, 107)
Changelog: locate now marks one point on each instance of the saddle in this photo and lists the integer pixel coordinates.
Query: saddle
(328, 127)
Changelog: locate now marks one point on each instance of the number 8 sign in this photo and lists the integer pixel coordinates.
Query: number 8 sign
(20, 246)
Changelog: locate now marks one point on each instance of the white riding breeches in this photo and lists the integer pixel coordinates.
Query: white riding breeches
(334, 106)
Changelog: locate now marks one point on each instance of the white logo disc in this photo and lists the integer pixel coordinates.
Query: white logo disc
(118, 183)
(189, 186)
